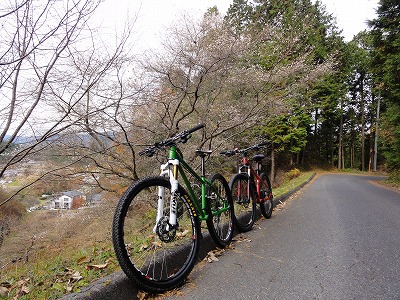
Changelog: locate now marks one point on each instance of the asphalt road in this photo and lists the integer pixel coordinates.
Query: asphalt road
(338, 238)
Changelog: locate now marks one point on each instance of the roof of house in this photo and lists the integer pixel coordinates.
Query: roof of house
(72, 193)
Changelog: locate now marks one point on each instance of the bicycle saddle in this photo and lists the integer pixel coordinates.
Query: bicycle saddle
(203, 153)
(258, 157)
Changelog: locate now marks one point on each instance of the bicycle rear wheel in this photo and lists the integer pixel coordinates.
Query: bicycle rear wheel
(244, 206)
(153, 253)
(220, 210)
(267, 204)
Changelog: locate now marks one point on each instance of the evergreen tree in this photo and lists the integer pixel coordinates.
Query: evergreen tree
(360, 88)
(386, 62)
(239, 14)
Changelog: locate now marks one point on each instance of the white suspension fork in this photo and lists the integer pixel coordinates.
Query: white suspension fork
(166, 172)
(173, 179)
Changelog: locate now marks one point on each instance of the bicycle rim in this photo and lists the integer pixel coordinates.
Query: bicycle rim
(156, 258)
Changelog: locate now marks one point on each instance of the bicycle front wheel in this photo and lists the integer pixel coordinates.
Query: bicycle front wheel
(244, 205)
(156, 255)
(266, 204)
(220, 210)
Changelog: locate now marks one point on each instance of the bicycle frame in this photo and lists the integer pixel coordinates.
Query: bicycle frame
(254, 178)
(175, 166)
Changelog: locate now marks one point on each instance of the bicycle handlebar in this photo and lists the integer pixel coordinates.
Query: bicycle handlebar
(195, 128)
(228, 153)
(180, 137)
(241, 151)
(263, 143)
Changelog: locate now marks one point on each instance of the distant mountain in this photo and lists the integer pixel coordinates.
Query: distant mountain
(21, 139)
(85, 138)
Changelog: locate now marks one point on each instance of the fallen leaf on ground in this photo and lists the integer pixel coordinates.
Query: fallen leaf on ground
(23, 282)
(212, 255)
(242, 238)
(110, 259)
(4, 291)
(23, 290)
(182, 234)
(69, 289)
(76, 276)
(83, 259)
(141, 295)
(98, 267)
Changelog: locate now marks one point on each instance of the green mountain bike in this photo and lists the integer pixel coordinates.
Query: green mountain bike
(156, 227)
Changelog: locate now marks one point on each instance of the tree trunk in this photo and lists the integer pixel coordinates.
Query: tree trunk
(343, 166)
(272, 175)
(376, 133)
(340, 154)
(352, 155)
(362, 124)
(316, 122)
(291, 153)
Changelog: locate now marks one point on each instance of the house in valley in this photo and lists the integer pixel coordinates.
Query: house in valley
(68, 200)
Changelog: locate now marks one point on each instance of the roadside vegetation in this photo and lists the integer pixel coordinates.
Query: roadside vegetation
(393, 180)
(49, 253)
(292, 181)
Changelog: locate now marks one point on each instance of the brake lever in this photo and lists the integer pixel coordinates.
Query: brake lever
(185, 138)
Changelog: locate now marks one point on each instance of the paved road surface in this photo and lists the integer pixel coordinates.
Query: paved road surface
(339, 238)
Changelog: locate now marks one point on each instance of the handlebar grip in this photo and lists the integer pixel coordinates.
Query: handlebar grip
(263, 143)
(197, 127)
(143, 152)
(150, 151)
(227, 153)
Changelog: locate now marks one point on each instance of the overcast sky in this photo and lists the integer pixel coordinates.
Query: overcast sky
(154, 15)
(351, 15)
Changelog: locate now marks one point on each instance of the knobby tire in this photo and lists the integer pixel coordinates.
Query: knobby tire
(220, 225)
(243, 202)
(267, 204)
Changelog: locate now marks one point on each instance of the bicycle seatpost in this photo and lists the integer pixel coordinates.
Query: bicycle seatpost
(203, 154)
(258, 168)
(203, 169)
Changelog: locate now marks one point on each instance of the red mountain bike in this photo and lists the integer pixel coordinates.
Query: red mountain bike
(250, 187)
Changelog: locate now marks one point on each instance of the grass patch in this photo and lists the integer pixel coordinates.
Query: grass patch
(352, 171)
(290, 184)
(52, 253)
(394, 177)
(52, 277)
(393, 180)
